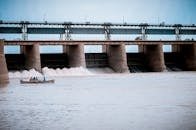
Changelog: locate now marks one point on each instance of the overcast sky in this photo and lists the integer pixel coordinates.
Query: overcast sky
(130, 11)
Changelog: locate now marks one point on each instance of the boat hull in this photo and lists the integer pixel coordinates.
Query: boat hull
(36, 82)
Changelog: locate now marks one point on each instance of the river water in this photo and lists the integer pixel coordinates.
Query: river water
(140, 101)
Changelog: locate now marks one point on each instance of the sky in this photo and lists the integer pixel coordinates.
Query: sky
(130, 11)
(99, 11)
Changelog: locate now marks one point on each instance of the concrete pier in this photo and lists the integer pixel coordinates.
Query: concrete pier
(188, 53)
(4, 78)
(175, 48)
(141, 48)
(155, 57)
(117, 58)
(76, 56)
(32, 57)
(21, 49)
(104, 48)
(64, 49)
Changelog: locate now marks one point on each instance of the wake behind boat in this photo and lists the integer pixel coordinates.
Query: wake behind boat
(35, 81)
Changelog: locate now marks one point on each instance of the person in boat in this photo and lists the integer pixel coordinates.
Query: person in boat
(33, 78)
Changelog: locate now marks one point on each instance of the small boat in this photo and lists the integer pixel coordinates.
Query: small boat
(35, 81)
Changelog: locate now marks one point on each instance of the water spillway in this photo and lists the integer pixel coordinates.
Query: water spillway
(54, 60)
(136, 62)
(96, 60)
(15, 61)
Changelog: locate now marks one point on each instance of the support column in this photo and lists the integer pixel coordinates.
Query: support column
(104, 48)
(175, 48)
(76, 56)
(21, 49)
(188, 53)
(141, 48)
(117, 58)
(32, 57)
(155, 57)
(64, 49)
(4, 78)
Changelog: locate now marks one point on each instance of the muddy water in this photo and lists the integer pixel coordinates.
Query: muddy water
(102, 102)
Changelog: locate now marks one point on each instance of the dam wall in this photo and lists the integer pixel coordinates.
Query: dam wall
(150, 57)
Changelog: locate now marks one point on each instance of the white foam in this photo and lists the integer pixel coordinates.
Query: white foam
(49, 72)
(66, 71)
(105, 70)
(25, 74)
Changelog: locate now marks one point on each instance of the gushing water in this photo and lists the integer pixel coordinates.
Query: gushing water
(76, 71)
(49, 72)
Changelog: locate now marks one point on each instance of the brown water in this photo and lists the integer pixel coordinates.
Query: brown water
(159, 101)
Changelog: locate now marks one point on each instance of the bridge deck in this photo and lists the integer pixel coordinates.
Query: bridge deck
(96, 42)
(14, 27)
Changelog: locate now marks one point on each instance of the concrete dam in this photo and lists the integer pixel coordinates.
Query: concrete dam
(149, 58)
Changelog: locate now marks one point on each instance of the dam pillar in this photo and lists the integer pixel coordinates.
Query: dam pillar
(104, 48)
(175, 48)
(155, 57)
(32, 57)
(4, 78)
(64, 49)
(141, 48)
(188, 54)
(117, 58)
(76, 56)
(21, 49)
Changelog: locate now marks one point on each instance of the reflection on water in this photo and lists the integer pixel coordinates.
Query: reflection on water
(134, 101)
